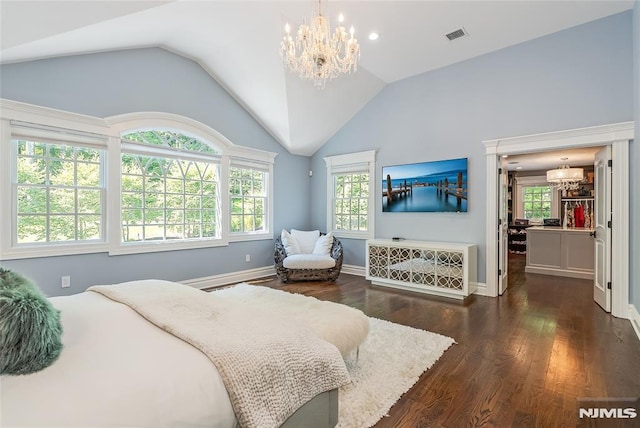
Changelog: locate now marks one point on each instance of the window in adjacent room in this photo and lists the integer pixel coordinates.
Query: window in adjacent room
(535, 198)
(350, 194)
(537, 201)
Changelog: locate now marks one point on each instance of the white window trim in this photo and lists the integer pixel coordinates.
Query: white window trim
(228, 153)
(536, 180)
(44, 120)
(267, 167)
(351, 162)
(125, 123)
(259, 159)
(111, 128)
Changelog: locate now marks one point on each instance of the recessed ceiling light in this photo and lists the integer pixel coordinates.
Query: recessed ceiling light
(374, 36)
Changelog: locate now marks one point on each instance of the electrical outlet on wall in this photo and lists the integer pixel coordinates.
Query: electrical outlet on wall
(65, 282)
(247, 258)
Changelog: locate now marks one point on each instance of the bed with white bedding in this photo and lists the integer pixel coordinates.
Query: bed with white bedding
(118, 369)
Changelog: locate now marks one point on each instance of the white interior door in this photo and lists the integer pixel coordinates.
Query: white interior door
(503, 228)
(602, 232)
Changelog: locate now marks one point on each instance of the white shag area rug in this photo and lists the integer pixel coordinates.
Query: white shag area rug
(391, 360)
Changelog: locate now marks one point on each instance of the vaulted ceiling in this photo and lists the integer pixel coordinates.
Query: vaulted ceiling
(237, 42)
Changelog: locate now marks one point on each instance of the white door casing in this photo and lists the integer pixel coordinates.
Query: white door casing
(602, 233)
(503, 228)
(618, 136)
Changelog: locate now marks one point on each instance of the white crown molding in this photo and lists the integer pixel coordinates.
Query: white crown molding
(137, 120)
(580, 137)
(239, 152)
(123, 122)
(350, 158)
(15, 110)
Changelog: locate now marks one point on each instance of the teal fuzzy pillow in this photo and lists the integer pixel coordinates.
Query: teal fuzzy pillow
(30, 328)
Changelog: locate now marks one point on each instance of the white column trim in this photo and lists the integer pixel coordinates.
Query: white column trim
(492, 236)
(620, 229)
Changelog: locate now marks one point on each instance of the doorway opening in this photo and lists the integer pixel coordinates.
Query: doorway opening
(615, 136)
(533, 202)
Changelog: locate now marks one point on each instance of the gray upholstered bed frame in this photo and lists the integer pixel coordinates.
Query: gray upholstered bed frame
(320, 412)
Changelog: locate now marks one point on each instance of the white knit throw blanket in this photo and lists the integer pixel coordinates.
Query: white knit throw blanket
(270, 365)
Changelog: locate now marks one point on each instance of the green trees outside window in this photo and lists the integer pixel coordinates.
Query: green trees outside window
(248, 198)
(59, 192)
(537, 201)
(167, 187)
(351, 200)
(168, 196)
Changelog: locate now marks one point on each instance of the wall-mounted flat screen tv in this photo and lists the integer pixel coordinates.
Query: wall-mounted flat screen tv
(438, 186)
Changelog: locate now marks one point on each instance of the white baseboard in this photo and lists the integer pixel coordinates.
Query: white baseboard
(229, 278)
(353, 270)
(247, 275)
(480, 289)
(634, 317)
(569, 273)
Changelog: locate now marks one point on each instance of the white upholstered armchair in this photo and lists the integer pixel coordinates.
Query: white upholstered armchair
(307, 256)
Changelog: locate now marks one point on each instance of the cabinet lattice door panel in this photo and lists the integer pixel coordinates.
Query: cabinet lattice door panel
(429, 267)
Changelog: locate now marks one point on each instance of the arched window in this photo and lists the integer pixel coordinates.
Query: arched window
(169, 187)
(183, 185)
(133, 183)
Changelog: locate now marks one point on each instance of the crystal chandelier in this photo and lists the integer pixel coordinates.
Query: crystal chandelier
(565, 178)
(318, 55)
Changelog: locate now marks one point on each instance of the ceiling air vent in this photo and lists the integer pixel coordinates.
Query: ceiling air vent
(456, 34)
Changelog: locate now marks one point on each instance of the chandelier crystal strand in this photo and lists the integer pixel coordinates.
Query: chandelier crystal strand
(318, 55)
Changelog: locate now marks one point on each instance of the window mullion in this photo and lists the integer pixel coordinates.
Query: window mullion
(194, 172)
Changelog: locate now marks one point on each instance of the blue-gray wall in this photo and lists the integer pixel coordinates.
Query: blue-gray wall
(579, 77)
(574, 78)
(634, 159)
(113, 83)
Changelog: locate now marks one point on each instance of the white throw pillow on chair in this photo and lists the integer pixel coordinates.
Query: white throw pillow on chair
(290, 243)
(323, 244)
(306, 239)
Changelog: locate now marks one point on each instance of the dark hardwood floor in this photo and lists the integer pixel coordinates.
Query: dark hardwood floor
(521, 360)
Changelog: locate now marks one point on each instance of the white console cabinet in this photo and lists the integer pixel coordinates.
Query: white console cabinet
(440, 268)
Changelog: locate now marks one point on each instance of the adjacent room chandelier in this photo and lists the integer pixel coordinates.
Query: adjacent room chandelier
(565, 178)
(318, 55)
